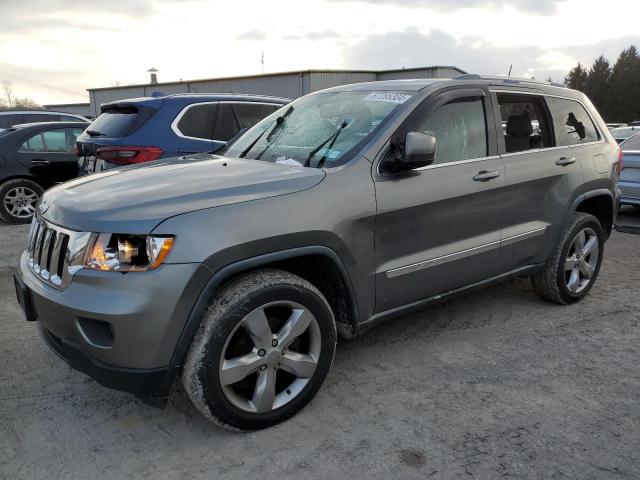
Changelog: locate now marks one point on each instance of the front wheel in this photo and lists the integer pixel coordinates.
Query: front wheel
(263, 349)
(18, 200)
(574, 264)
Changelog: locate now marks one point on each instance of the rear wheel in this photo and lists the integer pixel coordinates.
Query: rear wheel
(263, 350)
(575, 263)
(18, 200)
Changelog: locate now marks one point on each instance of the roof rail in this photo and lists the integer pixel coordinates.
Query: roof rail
(503, 79)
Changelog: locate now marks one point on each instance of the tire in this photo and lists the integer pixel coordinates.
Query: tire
(237, 394)
(18, 200)
(569, 275)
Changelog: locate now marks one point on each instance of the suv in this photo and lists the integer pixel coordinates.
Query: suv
(16, 117)
(369, 201)
(144, 129)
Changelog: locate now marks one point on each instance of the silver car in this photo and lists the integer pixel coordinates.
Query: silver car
(630, 174)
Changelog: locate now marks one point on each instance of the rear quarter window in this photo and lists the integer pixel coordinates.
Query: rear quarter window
(198, 121)
(573, 124)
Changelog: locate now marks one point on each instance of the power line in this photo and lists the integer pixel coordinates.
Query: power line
(42, 85)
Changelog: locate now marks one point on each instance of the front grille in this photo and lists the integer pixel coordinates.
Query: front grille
(53, 252)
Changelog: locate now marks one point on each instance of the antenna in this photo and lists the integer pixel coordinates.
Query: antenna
(510, 67)
(262, 62)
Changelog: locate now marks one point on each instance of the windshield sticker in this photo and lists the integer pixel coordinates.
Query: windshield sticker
(391, 97)
(332, 154)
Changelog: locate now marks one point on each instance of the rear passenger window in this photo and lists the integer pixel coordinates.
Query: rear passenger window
(248, 114)
(525, 122)
(227, 127)
(460, 129)
(573, 124)
(198, 121)
(33, 144)
(55, 140)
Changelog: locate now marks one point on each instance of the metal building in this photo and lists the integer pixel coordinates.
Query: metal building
(286, 84)
(83, 109)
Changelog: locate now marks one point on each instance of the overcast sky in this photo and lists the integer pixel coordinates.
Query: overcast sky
(53, 50)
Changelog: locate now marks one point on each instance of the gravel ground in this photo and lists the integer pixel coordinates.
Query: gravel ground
(495, 384)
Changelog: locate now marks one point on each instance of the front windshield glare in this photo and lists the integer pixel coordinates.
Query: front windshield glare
(318, 130)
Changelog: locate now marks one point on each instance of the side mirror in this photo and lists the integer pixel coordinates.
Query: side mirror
(419, 150)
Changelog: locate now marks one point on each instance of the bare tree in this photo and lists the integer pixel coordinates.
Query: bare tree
(8, 92)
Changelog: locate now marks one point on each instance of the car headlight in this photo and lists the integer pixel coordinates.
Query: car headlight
(125, 252)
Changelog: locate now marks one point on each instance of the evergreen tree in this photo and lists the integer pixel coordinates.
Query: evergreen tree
(576, 78)
(598, 87)
(625, 78)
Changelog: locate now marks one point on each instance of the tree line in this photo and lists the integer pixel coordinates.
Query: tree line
(614, 90)
(8, 101)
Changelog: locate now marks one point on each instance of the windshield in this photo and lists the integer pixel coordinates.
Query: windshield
(318, 130)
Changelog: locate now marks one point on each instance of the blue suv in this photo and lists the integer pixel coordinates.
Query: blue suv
(143, 129)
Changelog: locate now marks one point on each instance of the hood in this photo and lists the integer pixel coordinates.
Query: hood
(136, 199)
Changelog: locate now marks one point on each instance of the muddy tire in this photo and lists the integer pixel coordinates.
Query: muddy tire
(574, 264)
(18, 200)
(262, 351)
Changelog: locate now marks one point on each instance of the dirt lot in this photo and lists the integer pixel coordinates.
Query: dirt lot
(496, 384)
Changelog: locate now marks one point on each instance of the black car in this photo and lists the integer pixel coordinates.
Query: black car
(34, 157)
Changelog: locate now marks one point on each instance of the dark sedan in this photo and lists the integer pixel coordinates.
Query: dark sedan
(34, 157)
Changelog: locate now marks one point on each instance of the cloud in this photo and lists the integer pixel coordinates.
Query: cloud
(540, 7)
(253, 35)
(412, 48)
(314, 36)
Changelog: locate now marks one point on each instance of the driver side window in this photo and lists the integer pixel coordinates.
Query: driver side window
(460, 129)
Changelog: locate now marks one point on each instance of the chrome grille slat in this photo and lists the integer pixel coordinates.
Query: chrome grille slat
(55, 253)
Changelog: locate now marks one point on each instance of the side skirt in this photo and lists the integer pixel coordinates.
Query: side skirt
(444, 297)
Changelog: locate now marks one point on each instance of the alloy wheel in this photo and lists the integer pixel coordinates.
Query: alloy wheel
(582, 260)
(270, 356)
(20, 202)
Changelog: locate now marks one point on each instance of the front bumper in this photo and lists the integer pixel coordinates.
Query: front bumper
(120, 329)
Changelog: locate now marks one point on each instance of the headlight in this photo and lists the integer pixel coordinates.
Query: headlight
(126, 253)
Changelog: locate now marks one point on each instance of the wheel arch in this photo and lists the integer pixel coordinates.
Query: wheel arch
(320, 265)
(599, 203)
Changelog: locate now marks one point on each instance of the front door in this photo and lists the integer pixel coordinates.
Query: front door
(438, 227)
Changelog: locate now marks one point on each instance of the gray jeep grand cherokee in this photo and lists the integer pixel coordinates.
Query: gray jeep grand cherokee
(236, 272)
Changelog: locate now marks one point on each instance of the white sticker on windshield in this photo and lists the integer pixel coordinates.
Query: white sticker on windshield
(392, 97)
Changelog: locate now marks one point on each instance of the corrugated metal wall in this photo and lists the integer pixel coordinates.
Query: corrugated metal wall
(322, 80)
(439, 72)
(289, 85)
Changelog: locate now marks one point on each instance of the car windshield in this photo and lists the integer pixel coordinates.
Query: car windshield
(318, 130)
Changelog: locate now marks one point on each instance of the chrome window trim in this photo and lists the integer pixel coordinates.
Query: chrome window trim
(424, 264)
(176, 130)
(457, 162)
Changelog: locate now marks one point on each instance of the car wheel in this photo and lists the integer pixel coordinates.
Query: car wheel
(574, 264)
(18, 200)
(263, 349)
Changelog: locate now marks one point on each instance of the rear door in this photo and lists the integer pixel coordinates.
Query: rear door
(438, 227)
(542, 177)
(50, 155)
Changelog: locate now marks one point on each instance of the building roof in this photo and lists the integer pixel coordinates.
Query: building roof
(276, 74)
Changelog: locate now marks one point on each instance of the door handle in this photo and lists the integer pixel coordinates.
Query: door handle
(485, 176)
(564, 161)
(39, 162)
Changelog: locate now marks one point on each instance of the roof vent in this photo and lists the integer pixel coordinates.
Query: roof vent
(154, 75)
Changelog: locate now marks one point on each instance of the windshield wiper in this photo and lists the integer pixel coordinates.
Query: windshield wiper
(331, 139)
(279, 121)
(94, 133)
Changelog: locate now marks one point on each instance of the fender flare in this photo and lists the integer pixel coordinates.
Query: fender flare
(223, 274)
